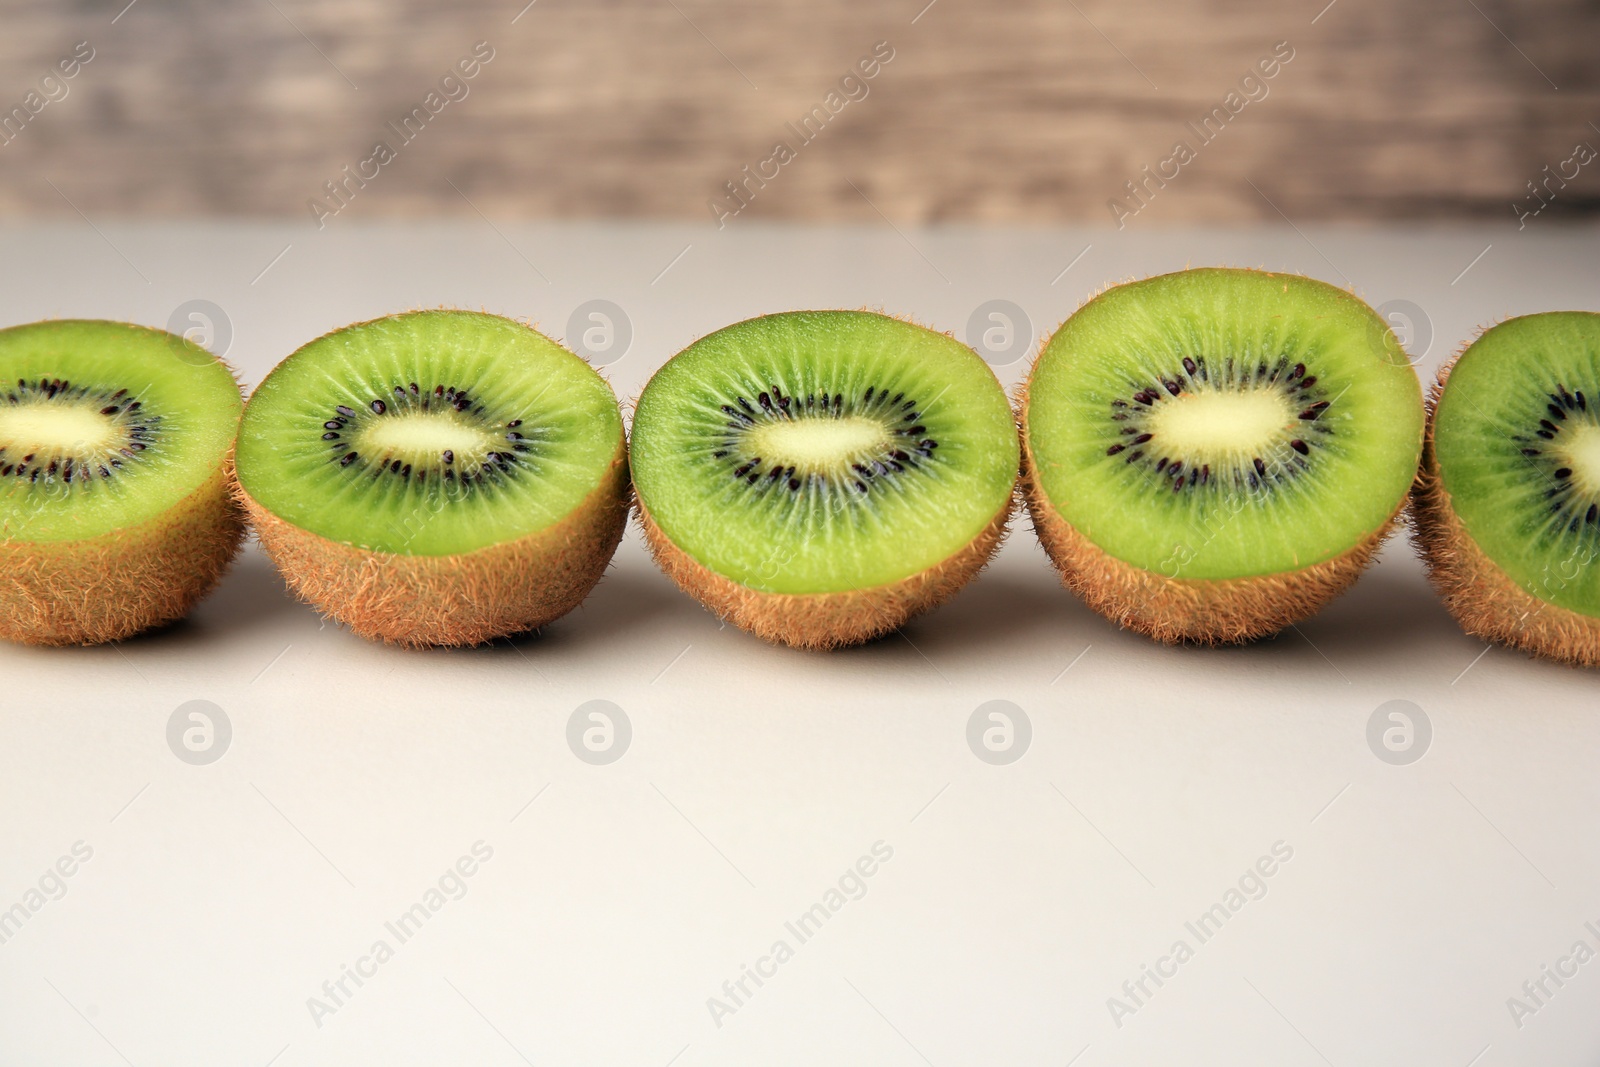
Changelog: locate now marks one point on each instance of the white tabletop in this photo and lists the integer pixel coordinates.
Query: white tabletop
(1019, 898)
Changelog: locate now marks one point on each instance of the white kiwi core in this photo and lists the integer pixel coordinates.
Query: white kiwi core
(423, 437)
(71, 429)
(1580, 447)
(1218, 427)
(818, 444)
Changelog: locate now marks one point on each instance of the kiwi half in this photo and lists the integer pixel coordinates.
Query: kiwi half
(115, 514)
(819, 477)
(1212, 455)
(437, 477)
(1507, 504)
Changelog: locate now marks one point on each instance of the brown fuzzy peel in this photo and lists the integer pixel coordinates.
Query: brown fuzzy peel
(823, 621)
(467, 599)
(1478, 594)
(118, 584)
(1186, 610)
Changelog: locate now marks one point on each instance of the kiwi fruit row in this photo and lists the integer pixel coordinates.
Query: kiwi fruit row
(1208, 457)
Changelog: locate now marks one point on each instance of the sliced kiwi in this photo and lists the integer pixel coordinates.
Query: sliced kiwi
(436, 478)
(115, 514)
(1214, 454)
(1507, 504)
(819, 477)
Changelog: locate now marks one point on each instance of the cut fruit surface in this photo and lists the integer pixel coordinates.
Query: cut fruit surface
(824, 453)
(1222, 424)
(1193, 433)
(104, 425)
(1517, 441)
(820, 452)
(432, 433)
(1507, 504)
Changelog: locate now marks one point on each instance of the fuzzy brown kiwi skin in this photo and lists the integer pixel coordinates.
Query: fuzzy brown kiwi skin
(1177, 611)
(121, 583)
(1481, 597)
(817, 622)
(467, 599)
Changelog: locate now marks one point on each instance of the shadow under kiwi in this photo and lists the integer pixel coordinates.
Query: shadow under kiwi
(999, 610)
(1388, 614)
(628, 600)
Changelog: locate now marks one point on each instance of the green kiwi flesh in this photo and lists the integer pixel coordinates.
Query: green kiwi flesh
(114, 448)
(1509, 501)
(1213, 454)
(846, 457)
(437, 477)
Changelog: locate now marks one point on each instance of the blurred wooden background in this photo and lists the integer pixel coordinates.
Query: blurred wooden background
(1028, 111)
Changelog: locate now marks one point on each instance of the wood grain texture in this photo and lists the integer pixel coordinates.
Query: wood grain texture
(1030, 111)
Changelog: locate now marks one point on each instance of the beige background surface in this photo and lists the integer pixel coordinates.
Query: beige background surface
(1036, 110)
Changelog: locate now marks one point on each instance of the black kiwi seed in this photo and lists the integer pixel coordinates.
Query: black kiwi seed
(75, 467)
(774, 403)
(1131, 411)
(416, 397)
(1571, 508)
